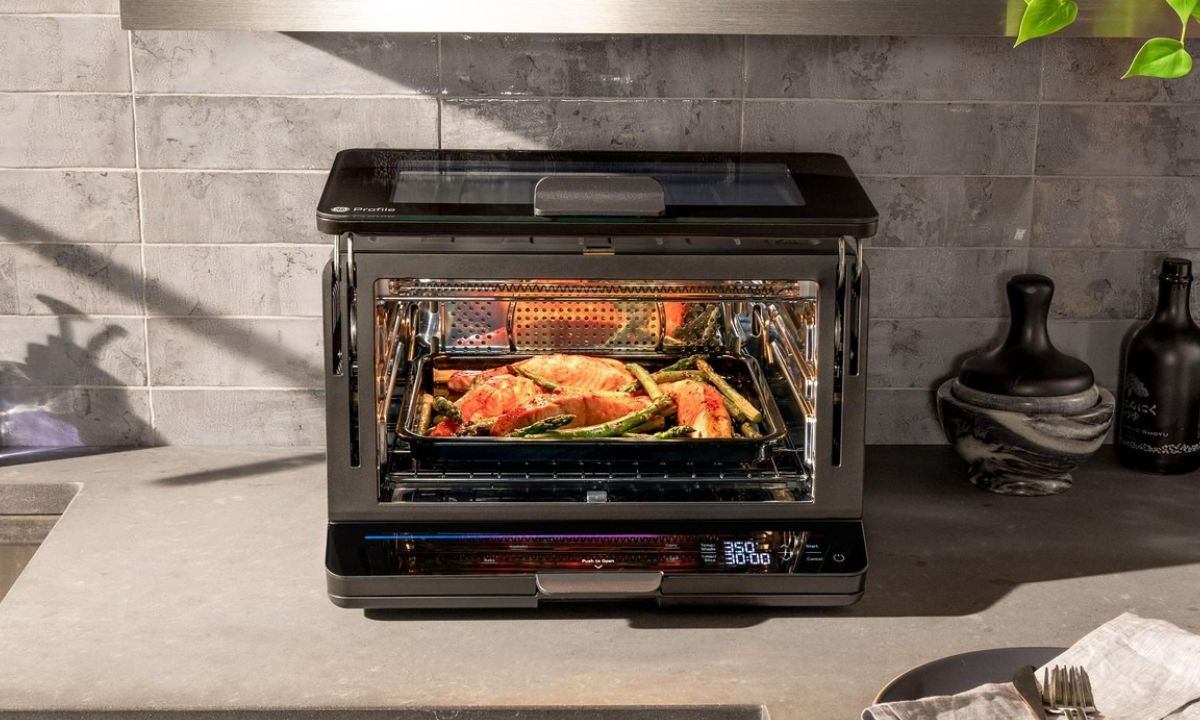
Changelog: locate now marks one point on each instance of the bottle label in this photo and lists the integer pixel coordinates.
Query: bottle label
(1140, 420)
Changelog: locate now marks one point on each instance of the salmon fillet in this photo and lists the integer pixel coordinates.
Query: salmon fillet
(463, 380)
(495, 396)
(588, 409)
(579, 371)
(700, 406)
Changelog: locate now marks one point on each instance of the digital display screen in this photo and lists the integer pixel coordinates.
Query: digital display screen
(464, 553)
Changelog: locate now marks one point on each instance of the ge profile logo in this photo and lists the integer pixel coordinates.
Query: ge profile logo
(340, 208)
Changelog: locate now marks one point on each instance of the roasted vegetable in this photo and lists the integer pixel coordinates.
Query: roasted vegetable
(544, 382)
(424, 414)
(443, 406)
(476, 427)
(645, 380)
(613, 427)
(666, 376)
(543, 426)
(744, 408)
(686, 363)
(676, 432)
(658, 422)
(750, 430)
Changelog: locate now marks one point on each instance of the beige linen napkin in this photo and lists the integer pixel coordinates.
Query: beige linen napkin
(986, 702)
(1140, 670)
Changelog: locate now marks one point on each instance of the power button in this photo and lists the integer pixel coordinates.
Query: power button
(838, 557)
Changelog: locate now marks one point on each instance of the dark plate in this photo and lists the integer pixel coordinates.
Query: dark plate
(741, 371)
(959, 673)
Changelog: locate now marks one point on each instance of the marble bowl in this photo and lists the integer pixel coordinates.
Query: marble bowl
(1024, 445)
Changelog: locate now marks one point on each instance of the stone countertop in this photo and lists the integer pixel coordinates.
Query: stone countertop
(184, 578)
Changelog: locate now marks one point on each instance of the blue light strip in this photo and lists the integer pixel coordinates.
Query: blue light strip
(504, 537)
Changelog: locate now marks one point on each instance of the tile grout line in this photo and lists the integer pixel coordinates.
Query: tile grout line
(744, 73)
(438, 91)
(1030, 243)
(141, 219)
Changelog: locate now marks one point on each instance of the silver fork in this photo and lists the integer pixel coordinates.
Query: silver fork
(1067, 691)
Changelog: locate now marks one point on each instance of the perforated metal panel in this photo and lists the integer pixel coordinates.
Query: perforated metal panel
(542, 325)
(586, 325)
(476, 325)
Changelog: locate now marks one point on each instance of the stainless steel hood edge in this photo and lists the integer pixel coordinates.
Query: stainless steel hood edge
(1100, 18)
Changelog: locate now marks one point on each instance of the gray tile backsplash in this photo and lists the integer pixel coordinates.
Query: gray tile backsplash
(230, 208)
(239, 417)
(47, 279)
(63, 206)
(211, 132)
(49, 130)
(282, 64)
(899, 138)
(1116, 212)
(950, 210)
(890, 68)
(151, 295)
(258, 352)
(1119, 139)
(590, 124)
(648, 66)
(80, 54)
(917, 282)
(78, 350)
(235, 280)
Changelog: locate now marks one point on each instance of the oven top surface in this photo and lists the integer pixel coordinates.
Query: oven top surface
(507, 193)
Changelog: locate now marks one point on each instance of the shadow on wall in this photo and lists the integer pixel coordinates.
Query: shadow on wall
(26, 384)
(37, 410)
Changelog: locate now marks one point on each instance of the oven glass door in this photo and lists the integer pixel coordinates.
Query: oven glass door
(595, 391)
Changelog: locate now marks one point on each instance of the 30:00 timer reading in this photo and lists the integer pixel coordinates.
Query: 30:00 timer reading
(746, 552)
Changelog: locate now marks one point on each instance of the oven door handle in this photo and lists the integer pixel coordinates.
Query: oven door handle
(598, 584)
(599, 195)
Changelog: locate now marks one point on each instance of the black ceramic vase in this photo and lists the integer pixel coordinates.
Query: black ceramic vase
(1024, 415)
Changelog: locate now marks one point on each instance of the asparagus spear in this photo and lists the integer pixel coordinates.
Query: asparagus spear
(686, 363)
(614, 427)
(665, 376)
(646, 381)
(424, 413)
(750, 430)
(544, 382)
(474, 428)
(653, 424)
(733, 410)
(676, 432)
(543, 426)
(443, 406)
(745, 409)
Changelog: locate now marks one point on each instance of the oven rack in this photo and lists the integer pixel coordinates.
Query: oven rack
(782, 476)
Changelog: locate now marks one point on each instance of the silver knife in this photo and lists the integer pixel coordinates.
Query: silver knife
(1026, 684)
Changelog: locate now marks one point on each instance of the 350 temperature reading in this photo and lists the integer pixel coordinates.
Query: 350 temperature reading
(745, 553)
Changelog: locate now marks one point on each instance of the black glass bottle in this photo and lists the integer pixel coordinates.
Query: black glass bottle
(1159, 425)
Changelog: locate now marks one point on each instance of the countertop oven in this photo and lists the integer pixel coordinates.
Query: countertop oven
(452, 267)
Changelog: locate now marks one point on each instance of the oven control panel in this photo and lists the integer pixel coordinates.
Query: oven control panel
(729, 548)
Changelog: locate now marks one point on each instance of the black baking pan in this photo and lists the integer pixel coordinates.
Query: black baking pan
(741, 372)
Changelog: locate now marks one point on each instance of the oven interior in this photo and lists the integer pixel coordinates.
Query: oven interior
(771, 326)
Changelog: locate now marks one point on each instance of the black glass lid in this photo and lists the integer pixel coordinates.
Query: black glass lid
(407, 192)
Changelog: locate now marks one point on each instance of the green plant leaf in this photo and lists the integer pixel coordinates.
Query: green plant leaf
(1161, 58)
(1183, 8)
(1046, 17)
